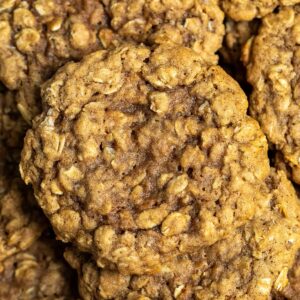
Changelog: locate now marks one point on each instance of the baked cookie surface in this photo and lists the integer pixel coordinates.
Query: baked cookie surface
(197, 24)
(37, 37)
(272, 58)
(145, 159)
(252, 263)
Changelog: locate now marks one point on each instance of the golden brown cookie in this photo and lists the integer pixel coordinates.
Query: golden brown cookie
(145, 159)
(197, 24)
(37, 37)
(247, 10)
(272, 58)
(39, 273)
(252, 263)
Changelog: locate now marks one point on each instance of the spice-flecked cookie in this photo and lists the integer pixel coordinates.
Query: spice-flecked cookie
(39, 273)
(143, 158)
(247, 10)
(37, 37)
(253, 263)
(272, 58)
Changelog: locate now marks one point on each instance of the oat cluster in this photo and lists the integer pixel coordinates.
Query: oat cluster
(274, 77)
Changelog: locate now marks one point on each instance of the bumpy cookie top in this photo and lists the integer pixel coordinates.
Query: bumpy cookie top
(38, 36)
(21, 221)
(197, 24)
(251, 264)
(132, 142)
(247, 10)
(273, 61)
(38, 273)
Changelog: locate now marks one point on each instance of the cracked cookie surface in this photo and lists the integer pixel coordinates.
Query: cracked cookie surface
(272, 58)
(251, 264)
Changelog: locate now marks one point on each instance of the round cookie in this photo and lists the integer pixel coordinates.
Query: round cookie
(132, 142)
(37, 37)
(197, 24)
(247, 10)
(39, 273)
(252, 263)
(272, 58)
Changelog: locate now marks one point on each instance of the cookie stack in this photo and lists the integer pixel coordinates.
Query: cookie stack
(133, 166)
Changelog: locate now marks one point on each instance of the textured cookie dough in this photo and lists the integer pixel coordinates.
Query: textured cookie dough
(251, 264)
(39, 273)
(21, 220)
(273, 59)
(37, 37)
(197, 24)
(247, 10)
(142, 157)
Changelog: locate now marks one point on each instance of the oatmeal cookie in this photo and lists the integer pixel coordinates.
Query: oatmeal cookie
(132, 142)
(37, 37)
(273, 59)
(39, 273)
(247, 10)
(21, 220)
(197, 24)
(251, 264)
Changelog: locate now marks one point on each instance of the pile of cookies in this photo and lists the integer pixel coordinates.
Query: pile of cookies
(149, 149)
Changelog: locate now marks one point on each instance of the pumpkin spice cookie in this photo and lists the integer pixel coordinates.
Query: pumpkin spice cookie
(37, 37)
(247, 10)
(39, 273)
(253, 263)
(145, 158)
(272, 58)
